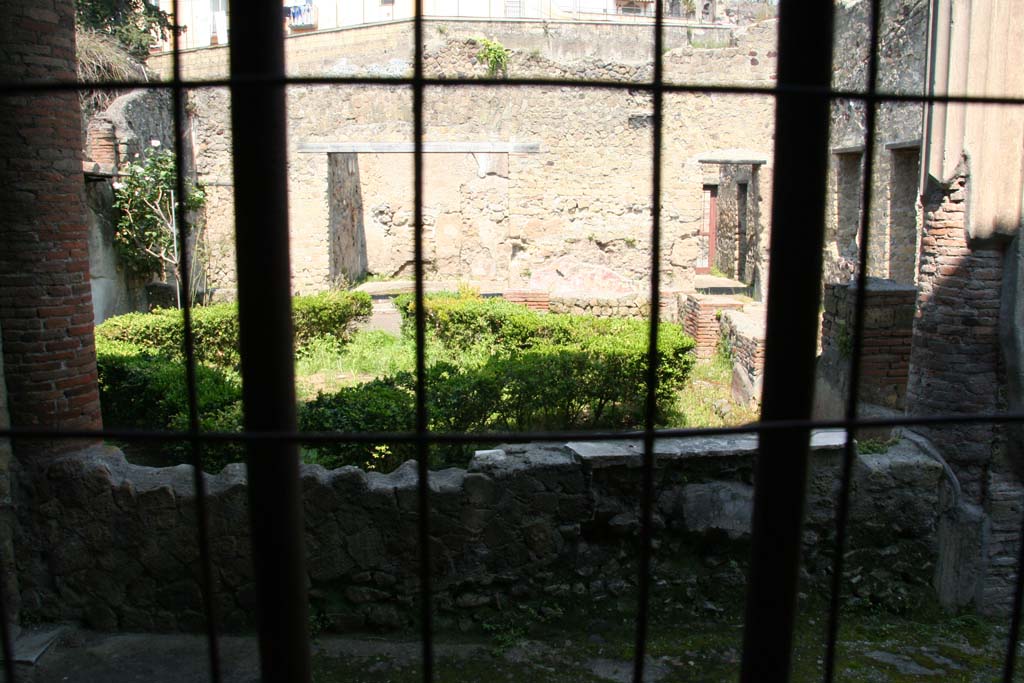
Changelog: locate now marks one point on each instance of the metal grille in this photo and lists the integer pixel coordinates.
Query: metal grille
(802, 94)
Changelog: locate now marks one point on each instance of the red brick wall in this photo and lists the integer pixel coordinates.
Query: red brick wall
(701, 322)
(45, 299)
(885, 344)
(954, 366)
(531, 298)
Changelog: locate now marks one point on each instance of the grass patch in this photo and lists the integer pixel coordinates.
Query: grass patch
(706, 400)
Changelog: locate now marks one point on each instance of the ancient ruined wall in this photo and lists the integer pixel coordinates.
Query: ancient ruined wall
(742, 332)
(955, 365)
(385, 49)
(115, 544)
(346, 231)
(580, 205)
(885, 346)
(739, 230)
(700, 317)
(45, 302)
(893, 237)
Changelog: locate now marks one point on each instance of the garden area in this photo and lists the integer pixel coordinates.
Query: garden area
(492, 366)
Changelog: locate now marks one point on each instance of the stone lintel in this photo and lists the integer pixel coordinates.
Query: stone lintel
(428, 147)
(904, 144)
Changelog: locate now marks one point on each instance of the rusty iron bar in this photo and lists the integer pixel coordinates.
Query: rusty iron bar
(259, 154)
(794, 284)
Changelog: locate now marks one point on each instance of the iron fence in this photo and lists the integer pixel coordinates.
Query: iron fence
(803, 94)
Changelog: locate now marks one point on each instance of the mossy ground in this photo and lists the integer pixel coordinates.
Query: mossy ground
(687, 642)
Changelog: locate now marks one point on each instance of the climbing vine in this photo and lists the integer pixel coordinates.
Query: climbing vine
(146, 236)
(495, 56)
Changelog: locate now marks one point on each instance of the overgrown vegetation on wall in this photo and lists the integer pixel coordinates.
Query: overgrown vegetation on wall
(495, 56)
(135, 24)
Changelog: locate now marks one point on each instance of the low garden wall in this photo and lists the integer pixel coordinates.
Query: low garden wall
(114, 544)
(628, 306)
(743, 334)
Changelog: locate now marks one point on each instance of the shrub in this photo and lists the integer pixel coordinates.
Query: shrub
(140, 389)
(215, 327)
(377, 406)
(509, 329)
(597, 381)
(143, 389)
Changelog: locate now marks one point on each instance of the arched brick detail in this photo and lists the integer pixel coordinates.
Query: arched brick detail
(45, 297)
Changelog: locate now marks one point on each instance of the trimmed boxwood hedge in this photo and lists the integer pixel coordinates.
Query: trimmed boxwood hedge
(539, 372)
(215, 327)
(545, 372)
(142, 389)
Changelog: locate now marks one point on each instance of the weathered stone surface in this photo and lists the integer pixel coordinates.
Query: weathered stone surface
(720, 505)
(524, 520)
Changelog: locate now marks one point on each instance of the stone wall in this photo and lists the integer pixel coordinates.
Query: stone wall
(579, 205)
(114, 544)
(894, 219)
(630, 306)
(739, 231)
(45, 302)
(116, 136)
(742, 331)
(700, 317)
(347, 234)
(385, 49)
(885, 350)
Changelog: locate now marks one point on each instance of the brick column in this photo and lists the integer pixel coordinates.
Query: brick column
(45, 299)
(954, 365)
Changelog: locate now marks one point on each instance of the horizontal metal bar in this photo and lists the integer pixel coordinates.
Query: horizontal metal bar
(510, 437)
(427, 147)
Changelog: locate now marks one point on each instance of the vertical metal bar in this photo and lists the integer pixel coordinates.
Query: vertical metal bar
(185, 300)
(798, 215)
(1010, 662)
(5, 628)
(265, 337)
(843, 505)
(651, 402)
(422, 436)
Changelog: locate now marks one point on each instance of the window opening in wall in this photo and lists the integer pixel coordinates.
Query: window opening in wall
(513, 8)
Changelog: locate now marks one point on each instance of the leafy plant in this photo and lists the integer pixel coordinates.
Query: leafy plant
(495, 56)
(146, 235)
(136, 24)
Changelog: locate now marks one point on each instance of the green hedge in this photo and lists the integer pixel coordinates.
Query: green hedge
(215, 327)
(510, 329)
(140, 389)
(589, 382)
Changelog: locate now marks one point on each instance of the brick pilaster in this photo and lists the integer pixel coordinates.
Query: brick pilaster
(45, 297)
(954, 364)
